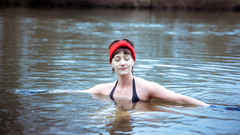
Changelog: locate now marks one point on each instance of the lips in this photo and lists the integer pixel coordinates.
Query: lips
(123, 68)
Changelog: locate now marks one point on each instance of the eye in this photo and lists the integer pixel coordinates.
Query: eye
(117, 59)
(127, 57)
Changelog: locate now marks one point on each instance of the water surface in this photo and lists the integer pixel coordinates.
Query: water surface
(192, 53)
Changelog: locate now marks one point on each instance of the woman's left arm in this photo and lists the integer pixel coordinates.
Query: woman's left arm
(159, 92)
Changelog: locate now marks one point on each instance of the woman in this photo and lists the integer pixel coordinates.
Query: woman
(128, 87)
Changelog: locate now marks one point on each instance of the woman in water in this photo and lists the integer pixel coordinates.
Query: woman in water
(128, 87)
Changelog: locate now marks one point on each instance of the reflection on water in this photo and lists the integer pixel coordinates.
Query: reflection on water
(196, 54)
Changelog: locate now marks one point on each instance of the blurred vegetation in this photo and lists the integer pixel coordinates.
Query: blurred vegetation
(158, 4)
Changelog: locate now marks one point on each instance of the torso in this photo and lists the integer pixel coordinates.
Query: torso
(134, 93)
(127, 93)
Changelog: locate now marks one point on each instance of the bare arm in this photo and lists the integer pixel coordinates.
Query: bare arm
(98, 89)
(161, 93)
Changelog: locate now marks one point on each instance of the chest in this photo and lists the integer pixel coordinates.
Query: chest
(128, 93)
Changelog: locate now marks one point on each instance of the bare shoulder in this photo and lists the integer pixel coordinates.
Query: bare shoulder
(145, 88)
(148, 85)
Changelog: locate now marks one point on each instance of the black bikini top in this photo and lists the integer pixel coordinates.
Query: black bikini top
(134, 97)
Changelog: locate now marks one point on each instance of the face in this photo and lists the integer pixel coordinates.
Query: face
(122, 63)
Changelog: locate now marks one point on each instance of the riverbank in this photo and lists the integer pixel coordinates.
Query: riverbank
(192, 5)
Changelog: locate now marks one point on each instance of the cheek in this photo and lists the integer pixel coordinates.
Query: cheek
(131, 62)
(113, 64)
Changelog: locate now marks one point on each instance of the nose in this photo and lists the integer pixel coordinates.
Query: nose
(123, 62)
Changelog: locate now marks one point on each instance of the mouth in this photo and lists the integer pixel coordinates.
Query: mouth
(123, 68)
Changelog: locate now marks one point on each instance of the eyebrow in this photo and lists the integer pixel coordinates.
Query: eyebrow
(120, 56)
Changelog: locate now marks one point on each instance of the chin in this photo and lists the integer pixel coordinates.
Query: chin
(123, 73)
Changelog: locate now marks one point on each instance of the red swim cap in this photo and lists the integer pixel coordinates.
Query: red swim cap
(119, 44)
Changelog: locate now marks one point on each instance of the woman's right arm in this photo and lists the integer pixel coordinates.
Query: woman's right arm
(98, 89)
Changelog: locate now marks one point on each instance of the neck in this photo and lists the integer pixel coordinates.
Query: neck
(125, 81)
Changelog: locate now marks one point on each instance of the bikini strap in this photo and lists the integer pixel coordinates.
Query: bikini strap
(111, 94)
(134, 97)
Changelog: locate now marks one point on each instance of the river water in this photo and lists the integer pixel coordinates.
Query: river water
(192, 53)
